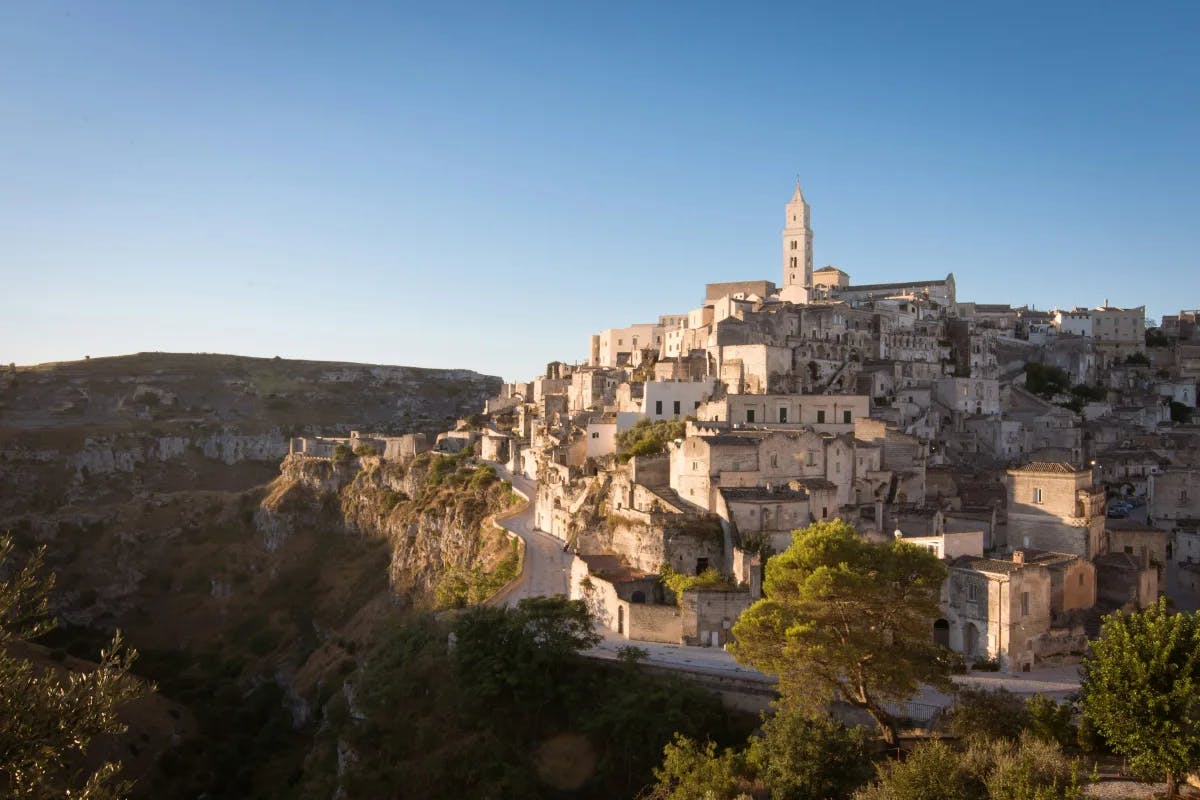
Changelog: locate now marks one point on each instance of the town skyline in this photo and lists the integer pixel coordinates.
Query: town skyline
(243, 187)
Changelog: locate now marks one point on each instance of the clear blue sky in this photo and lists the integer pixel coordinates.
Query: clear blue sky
(484, 186)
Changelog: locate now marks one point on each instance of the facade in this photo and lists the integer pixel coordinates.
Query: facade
(1055, 506)
(980, 396)
(834, 413)
(1174, 496)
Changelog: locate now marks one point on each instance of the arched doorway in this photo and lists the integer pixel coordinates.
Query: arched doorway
(941, 633)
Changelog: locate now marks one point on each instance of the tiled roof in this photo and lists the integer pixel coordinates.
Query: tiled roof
(981, 564)
(1060, 467)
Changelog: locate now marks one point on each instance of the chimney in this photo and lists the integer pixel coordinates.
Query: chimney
(1018, 556)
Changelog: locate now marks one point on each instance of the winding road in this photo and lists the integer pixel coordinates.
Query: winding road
(546, 568)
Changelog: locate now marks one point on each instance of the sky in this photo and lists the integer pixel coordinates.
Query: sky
(483, 186)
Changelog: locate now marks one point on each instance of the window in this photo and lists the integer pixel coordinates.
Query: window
(1128, 549)
(793, 244)
(695, 466)
(658, 408)
(595, 435)
(774, 459)
(749, 415)
(783, 415)
(846, 417)
(971, 591)
(1024, 604)
(824, 512)
(811, 458)
(1081, 579)
(620, 342)
(820, 416)
(1037, 495)
(676, 407)
(793, 262)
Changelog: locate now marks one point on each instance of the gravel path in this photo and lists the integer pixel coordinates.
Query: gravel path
(1124, 790)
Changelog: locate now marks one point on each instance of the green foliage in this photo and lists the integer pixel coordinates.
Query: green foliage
(1046, 380)
(679, 583)
(1181, 412)
(391, 499)
(48, 718)
(982, 713)
(1138, 359)
(475, 706)
(648, 438)
(694, 771)
(988, 769)
(794, 757)
(1089, 394)
(458, 588)
(515, 655)
(483, 477)
(801, 757)
(1051, 721)
(834, 604)
(932, 771)
(365, 450)
(341, 453)
(1141, 689)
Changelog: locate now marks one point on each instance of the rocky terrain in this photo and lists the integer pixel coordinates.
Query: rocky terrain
(155, 484)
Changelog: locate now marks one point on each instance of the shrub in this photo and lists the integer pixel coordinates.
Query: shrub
(987, 714)
(365, 450)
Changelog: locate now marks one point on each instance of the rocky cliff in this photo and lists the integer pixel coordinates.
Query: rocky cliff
(154, 482)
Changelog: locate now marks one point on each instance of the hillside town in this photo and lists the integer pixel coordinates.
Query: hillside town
(1048, 456)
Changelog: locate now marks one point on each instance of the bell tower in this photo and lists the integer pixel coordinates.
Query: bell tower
(797, 250)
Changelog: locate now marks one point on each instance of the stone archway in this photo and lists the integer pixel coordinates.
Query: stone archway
(941, 633)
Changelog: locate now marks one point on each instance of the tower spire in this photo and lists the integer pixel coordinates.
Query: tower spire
(797, 249)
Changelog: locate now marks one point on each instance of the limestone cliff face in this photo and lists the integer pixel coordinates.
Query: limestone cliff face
(111, 428)
(432, 513)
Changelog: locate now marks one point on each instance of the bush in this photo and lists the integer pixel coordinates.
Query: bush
(980, 713)
(648, 438)
(679, 583)
(341, 453)
(365, 450)
(1050, 721)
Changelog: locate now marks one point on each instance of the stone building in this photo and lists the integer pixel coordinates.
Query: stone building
(1174, 496)
(1018, 611)
(1055, 506)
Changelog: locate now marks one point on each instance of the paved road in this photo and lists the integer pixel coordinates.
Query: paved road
(546, 570)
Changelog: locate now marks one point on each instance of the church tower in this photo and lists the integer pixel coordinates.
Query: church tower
(797, 250)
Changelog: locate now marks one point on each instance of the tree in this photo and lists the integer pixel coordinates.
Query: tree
(794, 757)
(843, 617)
(799, 757)
(694, 771)
(1141, 689)
(48, 719)
(516, 656)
